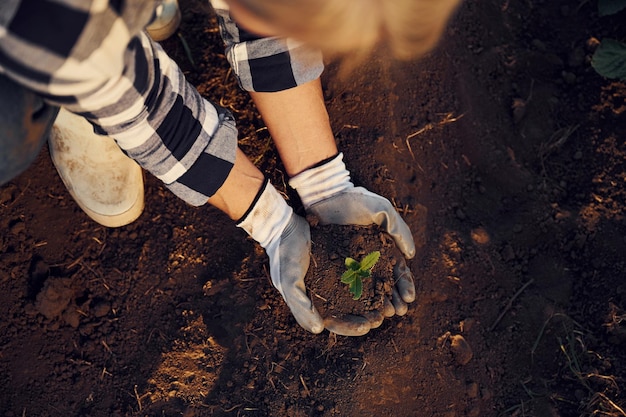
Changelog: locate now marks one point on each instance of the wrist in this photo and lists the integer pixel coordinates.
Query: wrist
(323, 180)
(267, 216)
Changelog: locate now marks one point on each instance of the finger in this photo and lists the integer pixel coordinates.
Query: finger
(404, 281)
(398, 304)
(388, 308)
(375, 318)
(386, 216)
(303, 310)
(348, 325)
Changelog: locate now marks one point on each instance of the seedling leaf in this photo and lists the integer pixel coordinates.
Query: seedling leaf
(369, 261)
(358, 270)
(348, 277)
(609, 60)
(352, 264)
(609, 7)
(356, 288)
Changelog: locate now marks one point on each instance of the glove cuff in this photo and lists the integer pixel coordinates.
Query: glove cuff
(322, 181)
(267, 217)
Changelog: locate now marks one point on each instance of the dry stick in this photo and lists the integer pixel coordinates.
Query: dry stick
(138, 398)
(510, 304)
(447, 119)
(306, 389)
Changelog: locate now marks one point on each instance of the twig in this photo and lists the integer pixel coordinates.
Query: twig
(510, 304)
(138, 398)
(447, 119)
(306, 389)
(106, 347)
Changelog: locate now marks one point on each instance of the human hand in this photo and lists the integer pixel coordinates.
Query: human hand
(286, 238)
(327, 192)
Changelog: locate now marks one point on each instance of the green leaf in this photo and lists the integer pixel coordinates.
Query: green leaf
(609, 60)
(609, 7)
(352, 264)
(348, 277)
(356, 288)
(369, 261)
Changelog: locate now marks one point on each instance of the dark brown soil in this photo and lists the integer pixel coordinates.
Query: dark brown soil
(505, 134)
(331, 245)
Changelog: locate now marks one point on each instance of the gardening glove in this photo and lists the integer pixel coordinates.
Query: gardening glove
(327, 192)
(286, 239)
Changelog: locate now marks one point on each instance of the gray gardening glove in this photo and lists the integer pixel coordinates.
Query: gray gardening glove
(327, 192)
(286, 239)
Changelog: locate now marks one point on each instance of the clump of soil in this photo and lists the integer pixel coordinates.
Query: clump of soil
(331, 245)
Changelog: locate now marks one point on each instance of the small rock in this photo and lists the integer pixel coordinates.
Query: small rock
(480, 236)
(461, 349)
(592, 44)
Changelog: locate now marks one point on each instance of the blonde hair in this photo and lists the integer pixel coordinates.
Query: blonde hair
(405, 28)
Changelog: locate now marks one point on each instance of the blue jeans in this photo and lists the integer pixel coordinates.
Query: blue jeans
(25, 122)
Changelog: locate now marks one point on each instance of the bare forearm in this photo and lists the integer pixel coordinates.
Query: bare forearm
(237, 193)
(298, 122)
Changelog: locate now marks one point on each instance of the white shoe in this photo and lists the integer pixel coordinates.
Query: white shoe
(166, 21)
(103, 181)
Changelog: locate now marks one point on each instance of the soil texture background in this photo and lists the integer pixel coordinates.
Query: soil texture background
(503, 150)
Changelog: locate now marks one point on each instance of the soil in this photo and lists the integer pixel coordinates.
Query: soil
(331, 245)
(505, 134)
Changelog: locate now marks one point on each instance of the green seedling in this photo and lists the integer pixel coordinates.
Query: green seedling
(356, 271)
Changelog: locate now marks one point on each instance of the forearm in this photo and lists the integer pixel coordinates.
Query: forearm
(239, 190)
(298, 122)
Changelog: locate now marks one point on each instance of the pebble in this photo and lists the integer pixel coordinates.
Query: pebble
(461, 349)
(480, 236)
(592, 44)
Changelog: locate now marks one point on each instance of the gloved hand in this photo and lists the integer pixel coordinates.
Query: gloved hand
(286, 239)
(327, 192)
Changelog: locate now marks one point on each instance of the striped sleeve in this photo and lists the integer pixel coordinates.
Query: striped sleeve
(93, 58)
(266, 64)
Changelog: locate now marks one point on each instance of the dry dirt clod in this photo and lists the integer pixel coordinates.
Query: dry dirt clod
(461, 349)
